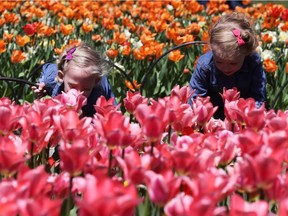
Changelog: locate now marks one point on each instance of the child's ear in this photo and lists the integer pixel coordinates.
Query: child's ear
(60, 76)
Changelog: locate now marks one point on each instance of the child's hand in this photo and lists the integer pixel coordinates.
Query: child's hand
(39, 90)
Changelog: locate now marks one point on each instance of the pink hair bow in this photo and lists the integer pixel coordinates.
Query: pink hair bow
(69, 54)
(236, 32)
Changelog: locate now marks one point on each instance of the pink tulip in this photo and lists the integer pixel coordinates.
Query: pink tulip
(72, 99)
(103, 106)
(153, 120)
(132, 100)
(186, 205)
(28, 195)
(203, 109)
(283, 207)
(240, 207)
(70, 126)
(114, 129)
(158, 187)
(105, 197)
(74, 156)
(10, 116)
(182, 93)
(12, 154)
(230, 94)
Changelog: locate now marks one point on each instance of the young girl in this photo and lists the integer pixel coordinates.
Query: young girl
(80, 68)
(232, 62)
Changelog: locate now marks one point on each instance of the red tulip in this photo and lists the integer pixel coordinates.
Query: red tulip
(30, 29)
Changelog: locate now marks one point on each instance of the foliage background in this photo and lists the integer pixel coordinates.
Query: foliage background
(132, 35)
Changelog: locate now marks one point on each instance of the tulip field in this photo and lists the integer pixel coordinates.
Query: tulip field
(152, 154)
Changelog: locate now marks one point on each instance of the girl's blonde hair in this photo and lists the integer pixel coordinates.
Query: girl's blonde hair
(82, 56)
(224, 43)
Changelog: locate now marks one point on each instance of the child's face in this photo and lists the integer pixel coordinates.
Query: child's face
(229, 67)
(80, 79)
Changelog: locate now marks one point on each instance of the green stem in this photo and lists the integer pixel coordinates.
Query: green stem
(110, 162)
(169, 133)
(32, 157)
(123, 153)
(151, 149)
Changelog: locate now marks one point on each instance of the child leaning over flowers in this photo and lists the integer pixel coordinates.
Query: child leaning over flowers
(80, 68)
(232, 62)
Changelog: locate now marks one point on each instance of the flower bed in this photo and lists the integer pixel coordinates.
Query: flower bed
(165, 158)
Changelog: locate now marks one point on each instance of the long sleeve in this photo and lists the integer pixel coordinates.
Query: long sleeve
(258, 83)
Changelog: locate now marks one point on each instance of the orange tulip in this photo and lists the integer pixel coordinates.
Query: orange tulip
(108, 23)
(270, 66)
(17, 56)
(159, 25)
(119, 38)
(96, 37)
(175, 55)
(286, 67)
(126, 50)
(68, 12)
(283, 28)
(2, 22)
(267, 38)
(2, 46)
(66, 29)
(58, 51)
(11, 18)
(86, 27)
(8, 37)
(246, 2)
(49, 31)
(22, 41)
(112, 53)
(130, 86)
(127, 22)
(39, 13)
(138, 55)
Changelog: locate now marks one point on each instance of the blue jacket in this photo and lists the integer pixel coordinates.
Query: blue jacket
(250, 80)
(53, 88)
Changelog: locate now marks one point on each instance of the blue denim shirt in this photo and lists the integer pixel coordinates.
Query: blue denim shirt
(250, 80)
(53, 88)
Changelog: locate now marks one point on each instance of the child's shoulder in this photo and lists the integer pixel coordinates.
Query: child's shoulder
(50, 69)
(254, 58)
(206, 58)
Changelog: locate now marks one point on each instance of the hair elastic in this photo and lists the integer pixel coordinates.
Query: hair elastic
(236, 33)
(69, 54)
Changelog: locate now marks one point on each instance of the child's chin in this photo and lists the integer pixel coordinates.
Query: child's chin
(229, 74)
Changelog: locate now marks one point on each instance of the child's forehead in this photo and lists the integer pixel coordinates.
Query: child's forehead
(80, 71)
(75, 68)
(227, 57)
